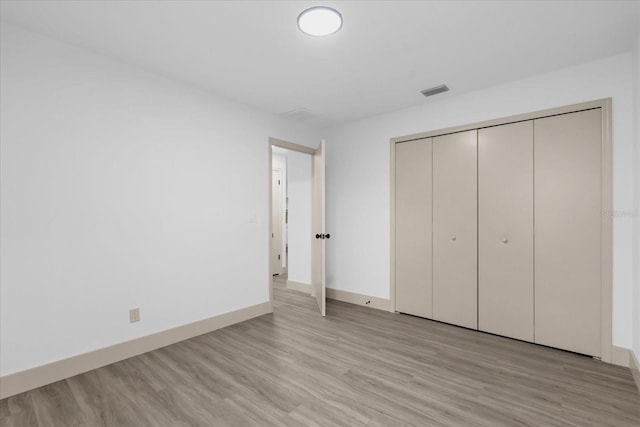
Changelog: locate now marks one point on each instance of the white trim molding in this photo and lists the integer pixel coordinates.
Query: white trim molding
(620, 356)
(625, 357)
(359, 299)
(634, 365)
(29, 379)
(299, 286)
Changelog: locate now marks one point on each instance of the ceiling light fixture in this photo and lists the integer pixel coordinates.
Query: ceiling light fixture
(320, 21)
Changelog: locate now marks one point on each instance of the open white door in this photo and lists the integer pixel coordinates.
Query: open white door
(276, 223)
(318, 285)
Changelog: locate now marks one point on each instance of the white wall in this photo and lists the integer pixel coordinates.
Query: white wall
(636, 257)
(358, 170)
(122, 189)
(299, 189)
(279, 161)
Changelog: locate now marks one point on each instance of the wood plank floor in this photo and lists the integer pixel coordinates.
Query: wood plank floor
(358, 366)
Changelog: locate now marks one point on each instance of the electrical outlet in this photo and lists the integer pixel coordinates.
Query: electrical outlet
(134, 315)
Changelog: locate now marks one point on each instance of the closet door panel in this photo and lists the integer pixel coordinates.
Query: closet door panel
(568, 241)
(413, 227)
(455, 271)
(505, 230)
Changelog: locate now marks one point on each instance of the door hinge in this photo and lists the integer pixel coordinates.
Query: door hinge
(278, 182)
(278, 256)
(272, 236)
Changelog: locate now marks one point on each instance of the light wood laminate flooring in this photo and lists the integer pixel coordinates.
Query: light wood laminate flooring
(358, 366)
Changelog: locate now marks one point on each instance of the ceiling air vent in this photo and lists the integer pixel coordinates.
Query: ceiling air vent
(300, 113)
(434, 90)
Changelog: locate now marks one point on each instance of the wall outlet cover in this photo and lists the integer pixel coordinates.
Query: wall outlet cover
(134, 315)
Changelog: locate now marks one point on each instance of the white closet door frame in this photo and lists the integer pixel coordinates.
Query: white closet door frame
(607, 205)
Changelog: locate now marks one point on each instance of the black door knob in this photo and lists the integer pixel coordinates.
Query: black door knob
(327, 236)
(318, 236)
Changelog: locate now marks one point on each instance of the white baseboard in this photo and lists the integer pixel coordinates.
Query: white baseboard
(359, 299)
(29, 379)
(634, 365)
(620, 356)
(625, 357)
(299, 286)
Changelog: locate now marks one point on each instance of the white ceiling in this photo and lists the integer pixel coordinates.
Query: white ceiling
(386, 52)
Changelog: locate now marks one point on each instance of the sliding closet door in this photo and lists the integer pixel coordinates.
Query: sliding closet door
(505, 230)
(568, 241)
(413, 227)
(455, 285)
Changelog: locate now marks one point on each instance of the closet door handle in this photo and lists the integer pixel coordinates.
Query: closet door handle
(453, 238)
(505, 240)
(319, 236)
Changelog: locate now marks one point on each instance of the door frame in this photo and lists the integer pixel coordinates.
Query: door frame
(607, 349)
(274, 142)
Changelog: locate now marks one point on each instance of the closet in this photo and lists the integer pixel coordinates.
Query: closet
(498, 227)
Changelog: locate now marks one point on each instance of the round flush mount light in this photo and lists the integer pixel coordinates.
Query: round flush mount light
(320, 21)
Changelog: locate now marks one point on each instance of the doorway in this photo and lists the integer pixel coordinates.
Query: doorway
(297, 235)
